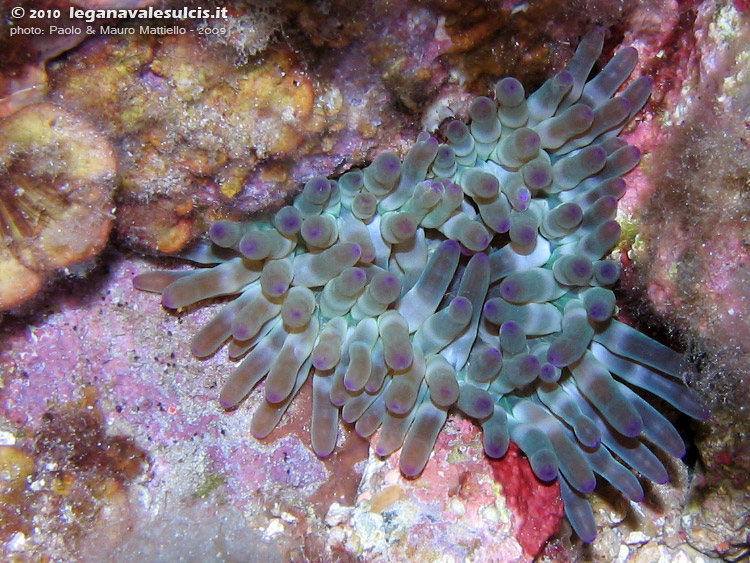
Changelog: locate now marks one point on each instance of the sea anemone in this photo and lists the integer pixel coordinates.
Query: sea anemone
(473, 276)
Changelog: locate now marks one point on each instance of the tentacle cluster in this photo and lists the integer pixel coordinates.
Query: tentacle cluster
(473, 275)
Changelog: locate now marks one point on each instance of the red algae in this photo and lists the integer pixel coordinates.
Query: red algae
(537, 507)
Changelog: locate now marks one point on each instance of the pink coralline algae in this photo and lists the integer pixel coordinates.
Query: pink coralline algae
(473, 276)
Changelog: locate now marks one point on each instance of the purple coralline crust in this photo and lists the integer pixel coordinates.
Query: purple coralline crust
(92, 341)
(282, 464)
(103, 337)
